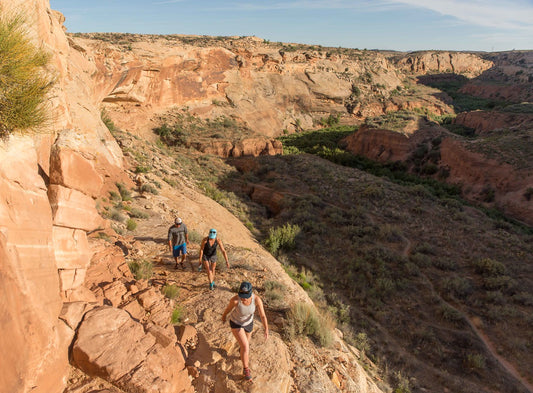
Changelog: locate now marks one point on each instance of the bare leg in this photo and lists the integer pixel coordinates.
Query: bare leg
(244, 345)
(206, 267)
(212, 267)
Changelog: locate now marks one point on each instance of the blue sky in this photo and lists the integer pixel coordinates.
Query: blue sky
(405, 25)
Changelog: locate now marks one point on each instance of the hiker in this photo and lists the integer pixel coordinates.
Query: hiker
(178, 238)
(208, 255)
(242, 308)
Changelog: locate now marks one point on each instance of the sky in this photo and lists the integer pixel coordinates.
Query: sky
(403, 25)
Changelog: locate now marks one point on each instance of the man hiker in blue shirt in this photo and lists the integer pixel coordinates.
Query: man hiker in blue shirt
(208, 255)
(178, 238)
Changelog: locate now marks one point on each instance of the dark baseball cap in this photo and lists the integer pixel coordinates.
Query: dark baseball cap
(245, 290)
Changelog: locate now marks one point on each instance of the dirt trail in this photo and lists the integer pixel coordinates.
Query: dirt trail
(489, 346)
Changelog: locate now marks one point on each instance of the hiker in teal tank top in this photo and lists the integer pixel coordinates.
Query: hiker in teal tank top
(241, 309)
(208, 255)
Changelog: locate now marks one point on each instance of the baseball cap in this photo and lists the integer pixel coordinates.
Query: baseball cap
(245, 290)
(177, 220)
(212, 233)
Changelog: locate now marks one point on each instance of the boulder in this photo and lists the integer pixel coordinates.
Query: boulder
(110, 344)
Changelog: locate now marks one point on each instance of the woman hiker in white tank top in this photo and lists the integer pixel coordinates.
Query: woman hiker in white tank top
(242, 308)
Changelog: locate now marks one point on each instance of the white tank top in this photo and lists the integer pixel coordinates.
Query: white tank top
(242, 314)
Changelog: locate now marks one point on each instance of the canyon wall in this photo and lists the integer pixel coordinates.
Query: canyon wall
(48, 181)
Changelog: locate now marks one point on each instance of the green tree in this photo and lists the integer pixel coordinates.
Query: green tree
(24, 82)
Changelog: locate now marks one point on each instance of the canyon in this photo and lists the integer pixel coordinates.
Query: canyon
(75, 317)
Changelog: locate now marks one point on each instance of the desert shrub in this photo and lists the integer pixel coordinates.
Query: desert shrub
(304, 320)
(125, 194)
(282, 238)
(108, 122)
(147, 187)
(421, 260)
(401, 383)
(142, 169)
(449, 313)
(498, 283)
(116, 215)
(524, 298)
(24, 83)
(445, 264)
(131, 225)
(171, 182)
(136, 213)
(195, 237)
(489, 267)
(141, 269)
(474, 362)
(114, 196)
(529, 193)
(274, 292)
(177, 315)
(458, 286)
(170, 291)
(362, 342)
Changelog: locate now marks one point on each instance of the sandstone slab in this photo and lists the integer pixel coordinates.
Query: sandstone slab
(110, 344)
(71, 248)
(73, 209)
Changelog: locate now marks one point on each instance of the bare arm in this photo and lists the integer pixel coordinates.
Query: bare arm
(223, 252)
(202, 248)
(262, 315)
(232, 304)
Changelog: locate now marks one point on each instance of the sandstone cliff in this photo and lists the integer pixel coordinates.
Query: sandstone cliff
(47, 206)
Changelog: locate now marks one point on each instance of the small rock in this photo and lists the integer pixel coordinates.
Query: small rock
(193, 371)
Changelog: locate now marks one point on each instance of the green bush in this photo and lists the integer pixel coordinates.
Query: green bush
(24, 83)
(177, 315)
(141, 269)
(282, 238)
(171, 291)
(131, 225)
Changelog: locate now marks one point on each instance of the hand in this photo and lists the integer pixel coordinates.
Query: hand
(224, 318)
(266, 334)
(227, 264)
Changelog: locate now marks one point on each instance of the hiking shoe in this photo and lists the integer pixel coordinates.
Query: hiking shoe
(200, 268)
(211, 286)
(213, 283)
(247, 374)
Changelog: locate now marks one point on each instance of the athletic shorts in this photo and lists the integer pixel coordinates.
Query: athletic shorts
(248, 328)
(211, 259)
(181, 249)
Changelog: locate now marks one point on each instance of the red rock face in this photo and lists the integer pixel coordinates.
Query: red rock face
(483, 121)
(478, 172)
(379, 145)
